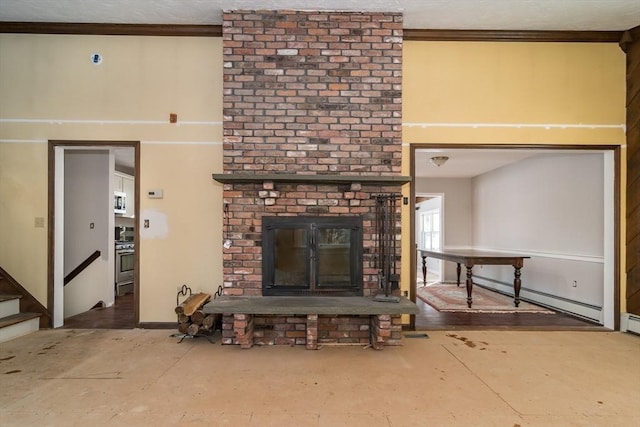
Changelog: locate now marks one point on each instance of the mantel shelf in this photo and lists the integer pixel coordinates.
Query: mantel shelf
(240, 178)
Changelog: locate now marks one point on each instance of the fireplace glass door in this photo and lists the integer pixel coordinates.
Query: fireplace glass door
(312, 255)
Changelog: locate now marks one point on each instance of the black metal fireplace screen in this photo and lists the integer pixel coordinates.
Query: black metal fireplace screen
(312, 256)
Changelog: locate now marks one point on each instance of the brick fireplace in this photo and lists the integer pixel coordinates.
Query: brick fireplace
(312, 128)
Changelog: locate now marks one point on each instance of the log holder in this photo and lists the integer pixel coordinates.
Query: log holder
(183, 293)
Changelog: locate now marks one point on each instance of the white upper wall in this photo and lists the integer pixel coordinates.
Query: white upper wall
(86, 202)
(458, 208)
(552, 203)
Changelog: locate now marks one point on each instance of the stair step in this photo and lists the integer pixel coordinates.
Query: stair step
(17, 318)
(9, 305)
(18, 325)
(9, 297)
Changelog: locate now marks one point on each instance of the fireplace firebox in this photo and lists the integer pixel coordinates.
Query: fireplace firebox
(312, 256)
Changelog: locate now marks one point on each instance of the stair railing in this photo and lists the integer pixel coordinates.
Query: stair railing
(80, 268)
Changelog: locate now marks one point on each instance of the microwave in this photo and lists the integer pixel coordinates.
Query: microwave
(119, 202)
(124, 234)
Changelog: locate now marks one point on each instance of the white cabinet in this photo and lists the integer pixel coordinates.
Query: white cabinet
(125, 184)
(128, 188)
(117, 182)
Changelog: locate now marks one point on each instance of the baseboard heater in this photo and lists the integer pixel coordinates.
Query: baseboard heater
(565, 305)
(630, 323)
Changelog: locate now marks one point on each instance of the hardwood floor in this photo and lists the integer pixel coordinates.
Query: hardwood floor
(121, 316)
(431, 319)
(118, 316)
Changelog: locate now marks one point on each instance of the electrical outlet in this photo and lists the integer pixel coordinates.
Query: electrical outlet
(575, 283)
(173, 118)
(146, 223)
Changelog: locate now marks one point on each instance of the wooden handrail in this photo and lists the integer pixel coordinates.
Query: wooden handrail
(79, 269)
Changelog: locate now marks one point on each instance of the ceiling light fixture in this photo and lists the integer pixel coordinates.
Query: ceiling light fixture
(439, 160)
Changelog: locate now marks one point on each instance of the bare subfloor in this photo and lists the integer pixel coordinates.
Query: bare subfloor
(69, 377)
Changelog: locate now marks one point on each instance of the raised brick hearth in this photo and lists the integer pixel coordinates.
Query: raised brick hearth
(315, 95)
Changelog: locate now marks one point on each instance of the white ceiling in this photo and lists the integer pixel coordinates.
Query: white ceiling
(576, 15)
(465, 163)
(469, 163)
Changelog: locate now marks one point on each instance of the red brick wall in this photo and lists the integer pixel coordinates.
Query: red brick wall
(307, 93)
(344, 329)
(291, 330)
(312, 92)
(242, 262)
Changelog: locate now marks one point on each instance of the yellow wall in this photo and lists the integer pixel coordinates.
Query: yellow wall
(511, 93)
(183, 244)
(51, 90)
(513, 83)
(23, 198)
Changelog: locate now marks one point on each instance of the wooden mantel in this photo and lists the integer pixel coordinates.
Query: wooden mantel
(239, 178)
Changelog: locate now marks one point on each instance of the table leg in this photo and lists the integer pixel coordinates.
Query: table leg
(458, 271)
(469, 286)
(517, 283)
(424, 270)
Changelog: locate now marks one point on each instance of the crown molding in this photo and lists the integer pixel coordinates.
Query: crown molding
(111, 29)
(629, 37)
(513, 36)
(408, 33)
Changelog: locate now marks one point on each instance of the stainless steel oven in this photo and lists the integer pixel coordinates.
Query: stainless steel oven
(124, 268)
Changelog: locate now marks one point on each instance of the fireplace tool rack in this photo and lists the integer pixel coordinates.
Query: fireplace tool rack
(387, 246)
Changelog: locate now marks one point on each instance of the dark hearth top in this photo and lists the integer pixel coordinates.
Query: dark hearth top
(309, 305)
(240, 178)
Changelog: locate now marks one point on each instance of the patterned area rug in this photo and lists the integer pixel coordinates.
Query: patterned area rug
(451, 298)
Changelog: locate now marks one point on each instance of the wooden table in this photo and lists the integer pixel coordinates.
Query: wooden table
(472, 257)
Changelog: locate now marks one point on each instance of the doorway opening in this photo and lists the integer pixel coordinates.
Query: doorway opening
(83, 219)
(540, 201)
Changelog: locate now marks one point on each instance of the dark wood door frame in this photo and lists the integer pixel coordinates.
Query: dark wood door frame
(51, 215)
(630, 44)
(616, 208)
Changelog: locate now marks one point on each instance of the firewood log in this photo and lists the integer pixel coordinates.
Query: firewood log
(192, 303)
(193, 329)
(182, 327)
(197, 317)
(209, 322)
(183, 318)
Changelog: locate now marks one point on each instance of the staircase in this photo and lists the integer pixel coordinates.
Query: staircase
(14, 324)
(20, 312)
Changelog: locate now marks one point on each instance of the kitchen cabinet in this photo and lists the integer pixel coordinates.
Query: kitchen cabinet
(117, 182)
(125, 184)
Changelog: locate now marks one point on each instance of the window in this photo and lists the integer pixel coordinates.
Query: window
(430, 225)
